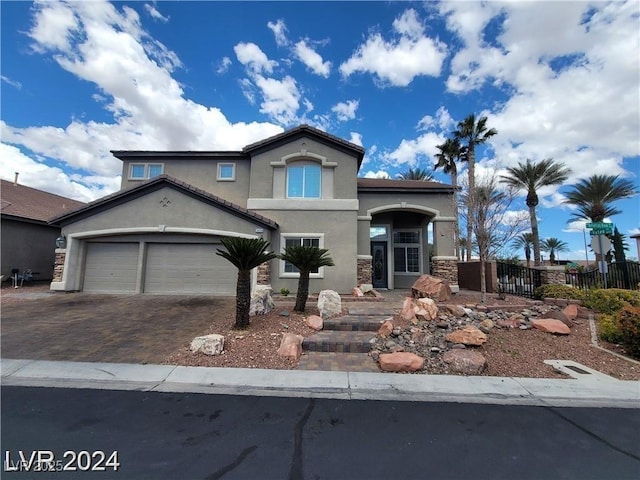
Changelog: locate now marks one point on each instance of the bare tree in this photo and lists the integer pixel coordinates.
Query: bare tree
(495, 223)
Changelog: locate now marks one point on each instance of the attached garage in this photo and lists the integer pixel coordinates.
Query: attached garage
(183, 268)
(111, 267)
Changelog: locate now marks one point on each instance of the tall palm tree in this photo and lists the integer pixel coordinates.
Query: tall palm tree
(525, 241)
(306, 259)
(417, 174)
(448, 154)
(472, 133)
(531, 177)
(553, 245)
(244, 254)
(594, 196)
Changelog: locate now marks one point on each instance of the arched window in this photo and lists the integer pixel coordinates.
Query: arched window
(304, 180)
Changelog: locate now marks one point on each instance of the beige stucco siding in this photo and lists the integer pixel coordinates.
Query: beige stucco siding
(435, 202)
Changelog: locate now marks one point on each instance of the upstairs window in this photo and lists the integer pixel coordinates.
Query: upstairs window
(226, 172)
(304, 180)
(144, 171)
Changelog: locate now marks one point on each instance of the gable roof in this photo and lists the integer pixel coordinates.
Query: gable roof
(309, 131)
(31, 204)
(156, 183)
(389, 185)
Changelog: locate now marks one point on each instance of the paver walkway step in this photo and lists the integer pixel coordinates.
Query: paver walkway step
(355, 323)
(339, 341)
(338, 362)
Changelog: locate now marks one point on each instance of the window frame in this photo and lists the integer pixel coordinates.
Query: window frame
(405, 247)
(302, 236)
(219, 176)
(304, 165)
(147, 169)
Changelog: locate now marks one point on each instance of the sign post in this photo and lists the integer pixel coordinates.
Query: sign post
(601, 245)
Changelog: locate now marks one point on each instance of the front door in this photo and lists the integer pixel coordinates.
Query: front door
(379, 264)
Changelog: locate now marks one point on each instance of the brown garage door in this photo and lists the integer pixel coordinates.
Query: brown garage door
(188, 268)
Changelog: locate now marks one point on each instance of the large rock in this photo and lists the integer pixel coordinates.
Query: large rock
(559, 315)
(455, 310)
(467, 362)
(291, 346)
(329, 304)
(208, 344)
(468, 335)
(408, 313)
(571, 311)
(550, 325)
(314, 321)
(426, 309)
(385, 329)
(261, 301)
(400, 362)
(431, 287)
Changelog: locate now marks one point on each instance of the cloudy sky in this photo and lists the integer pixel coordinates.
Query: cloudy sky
(556, 79)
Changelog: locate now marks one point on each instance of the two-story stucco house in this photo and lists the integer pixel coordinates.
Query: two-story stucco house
(160, 232)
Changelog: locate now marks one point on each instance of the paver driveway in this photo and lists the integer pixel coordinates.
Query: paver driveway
(106, 328)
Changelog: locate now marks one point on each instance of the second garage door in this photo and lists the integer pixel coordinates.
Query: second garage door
(188, 268)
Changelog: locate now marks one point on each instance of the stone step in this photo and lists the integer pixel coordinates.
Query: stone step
(355, 323)
(338, 362)
(337, 341)
(373, 309)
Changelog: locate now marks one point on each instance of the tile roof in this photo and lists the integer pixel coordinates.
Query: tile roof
(390, 184)
(33, 204)
(166, 179)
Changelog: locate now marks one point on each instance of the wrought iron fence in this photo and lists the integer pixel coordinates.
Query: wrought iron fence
(517, 280)
(625, 275)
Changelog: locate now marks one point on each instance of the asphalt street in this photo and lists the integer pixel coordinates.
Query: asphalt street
(196, 436)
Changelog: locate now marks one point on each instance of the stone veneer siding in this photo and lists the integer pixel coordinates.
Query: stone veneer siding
(445, 269)
(264, 274)
(58, 266)
(552, 275)
(364, 271)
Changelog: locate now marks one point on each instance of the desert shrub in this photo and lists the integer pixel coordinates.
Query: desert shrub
(610, 300)
(628, 319)
(558, 291)
(609, 328)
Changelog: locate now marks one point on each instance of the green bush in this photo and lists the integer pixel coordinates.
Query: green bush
(610, 300)
(558, 291)
(609, 328)
(284, 291)
(628, 320)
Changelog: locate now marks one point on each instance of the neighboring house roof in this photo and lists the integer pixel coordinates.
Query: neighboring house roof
(26, 203)
(389, 185)
(155, 184)
(307, 130)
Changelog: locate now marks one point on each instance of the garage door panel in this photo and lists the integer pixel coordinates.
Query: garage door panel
(111, 267)
(175, 268)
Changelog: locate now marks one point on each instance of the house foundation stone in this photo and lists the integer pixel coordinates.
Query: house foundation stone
(58, 264)
(364, 271)
(552, 275)
(447, 270)
(264, 274)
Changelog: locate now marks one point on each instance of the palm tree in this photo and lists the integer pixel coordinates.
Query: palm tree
(525, 241)
(244, 254)
(417, 174)
(448, 154)
(531, 177)
(472, 133)
(553, 245)
(306, 259)
(594, 195)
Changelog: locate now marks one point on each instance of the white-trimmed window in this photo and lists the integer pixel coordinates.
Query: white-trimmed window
(226, 172)
(287, 270)
(144, 171)
(406, 251)
(304, 180)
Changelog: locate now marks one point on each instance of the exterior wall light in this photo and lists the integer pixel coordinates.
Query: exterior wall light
(61, 241)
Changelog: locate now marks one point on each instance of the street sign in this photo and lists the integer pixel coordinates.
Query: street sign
(600, 228)
(600, 244)
(598, 224)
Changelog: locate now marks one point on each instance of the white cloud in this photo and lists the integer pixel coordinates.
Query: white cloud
(346, 110)
(397, 62)
(154, 13)
(251, 56)
(279, 30)
(281, 98)
(356, 138)
(410, 151)
(378, 174)
(13, 83)
(312, 59)
(223, 66)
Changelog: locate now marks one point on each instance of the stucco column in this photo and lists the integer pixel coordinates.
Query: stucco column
(444, 263)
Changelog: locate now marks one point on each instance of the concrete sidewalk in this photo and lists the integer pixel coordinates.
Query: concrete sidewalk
(587, 388)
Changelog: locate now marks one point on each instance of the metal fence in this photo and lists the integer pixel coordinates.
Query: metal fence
(517, 280)
(625, 275)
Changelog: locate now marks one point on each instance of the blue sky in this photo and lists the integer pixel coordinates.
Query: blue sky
(556, 79)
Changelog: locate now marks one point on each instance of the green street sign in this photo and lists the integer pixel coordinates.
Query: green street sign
(599, 225)
(600, 231)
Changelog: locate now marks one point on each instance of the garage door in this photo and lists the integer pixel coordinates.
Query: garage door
(111, 268)
(183, 268)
